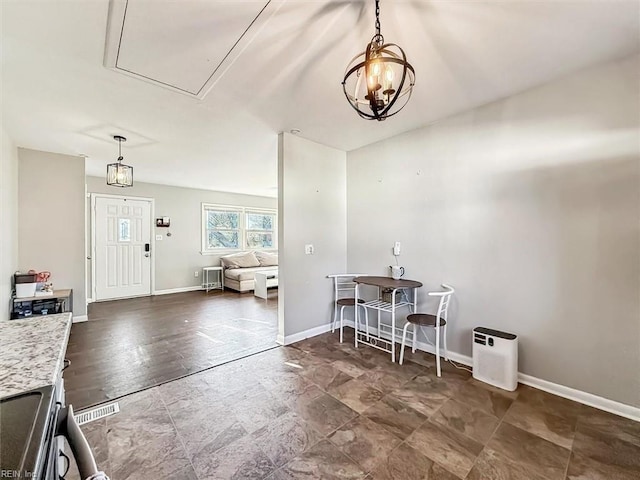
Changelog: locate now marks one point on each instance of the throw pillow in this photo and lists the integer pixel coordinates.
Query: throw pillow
(240, 260)
(267, 259)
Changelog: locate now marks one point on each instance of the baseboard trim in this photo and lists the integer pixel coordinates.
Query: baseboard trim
(312, 332)
(79, 319)
(586, 398)
(601, 403)
(169, 291)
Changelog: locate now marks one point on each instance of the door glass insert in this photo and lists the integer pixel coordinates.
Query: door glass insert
(124, 230)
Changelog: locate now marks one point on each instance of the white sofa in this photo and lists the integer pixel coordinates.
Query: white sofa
(239, 269)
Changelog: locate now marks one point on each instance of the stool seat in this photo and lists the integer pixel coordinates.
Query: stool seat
(425, 320)
(348, 302)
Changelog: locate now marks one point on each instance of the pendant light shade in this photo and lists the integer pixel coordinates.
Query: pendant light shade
(378, 82)
(119, 174)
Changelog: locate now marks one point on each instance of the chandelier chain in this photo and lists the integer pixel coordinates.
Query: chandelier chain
(377, 17)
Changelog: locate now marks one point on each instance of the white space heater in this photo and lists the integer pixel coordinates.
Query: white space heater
(495, 358)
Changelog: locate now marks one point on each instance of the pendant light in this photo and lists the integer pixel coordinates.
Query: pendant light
(119, 174)
(378, 82)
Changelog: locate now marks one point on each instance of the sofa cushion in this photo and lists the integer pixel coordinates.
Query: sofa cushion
(267, 259)
(240, 260)
(242, 274)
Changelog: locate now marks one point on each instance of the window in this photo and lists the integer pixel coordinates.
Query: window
(222, 229)
(237, 228)
(259, 230)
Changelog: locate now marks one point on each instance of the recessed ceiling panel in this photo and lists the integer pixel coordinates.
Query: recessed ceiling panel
(180, 44)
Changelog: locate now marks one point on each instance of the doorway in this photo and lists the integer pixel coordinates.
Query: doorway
(122, 247)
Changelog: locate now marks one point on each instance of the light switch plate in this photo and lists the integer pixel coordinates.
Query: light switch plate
(308, 249)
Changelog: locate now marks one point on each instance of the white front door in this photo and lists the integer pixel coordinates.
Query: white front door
(122, 239)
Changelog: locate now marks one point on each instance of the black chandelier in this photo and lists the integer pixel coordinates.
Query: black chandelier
(378, 82)
(119, 174)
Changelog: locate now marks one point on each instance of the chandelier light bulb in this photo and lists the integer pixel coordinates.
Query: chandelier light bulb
(388, 80)
(389, 74)
(373, 82)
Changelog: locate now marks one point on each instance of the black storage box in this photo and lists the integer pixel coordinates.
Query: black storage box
(25, 278)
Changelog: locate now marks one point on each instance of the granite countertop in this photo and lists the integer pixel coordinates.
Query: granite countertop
(32, 352)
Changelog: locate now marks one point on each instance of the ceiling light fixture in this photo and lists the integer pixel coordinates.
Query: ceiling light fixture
(378, 82)
(119, 174)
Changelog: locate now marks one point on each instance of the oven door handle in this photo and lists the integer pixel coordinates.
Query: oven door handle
(68, 427)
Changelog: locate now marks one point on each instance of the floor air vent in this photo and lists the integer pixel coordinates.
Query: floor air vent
(96, 413)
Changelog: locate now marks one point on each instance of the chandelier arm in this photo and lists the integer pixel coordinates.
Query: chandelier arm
(370, 89)
(353, 69)
(359, 79)
(366, 116)
(406, 66)
(395, 97)
(348, 70)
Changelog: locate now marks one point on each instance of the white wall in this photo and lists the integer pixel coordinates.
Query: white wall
(178, 256)
(312, 203)
(530, 207)
(51, 220)
(8, 220)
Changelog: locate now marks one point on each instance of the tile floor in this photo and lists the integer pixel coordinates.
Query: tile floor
(324, 410)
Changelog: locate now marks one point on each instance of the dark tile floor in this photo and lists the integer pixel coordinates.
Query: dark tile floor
(129, 345)
(324, 410)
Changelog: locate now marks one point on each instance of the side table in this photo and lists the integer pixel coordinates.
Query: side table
(219, 281)
(260, 283)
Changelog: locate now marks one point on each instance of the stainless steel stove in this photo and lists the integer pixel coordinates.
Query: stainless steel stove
(28, 448)
(32, 427)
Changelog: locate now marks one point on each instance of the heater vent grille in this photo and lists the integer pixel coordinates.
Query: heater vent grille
(97, 413)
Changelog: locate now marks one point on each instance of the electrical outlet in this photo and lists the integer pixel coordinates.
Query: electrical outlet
(308, 249)
(158, 238)
(396, 249)
(196, 273)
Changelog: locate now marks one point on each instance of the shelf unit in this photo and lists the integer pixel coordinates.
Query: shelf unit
(403, 294)
(386, 334)
(61, 301)
(383, 306)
